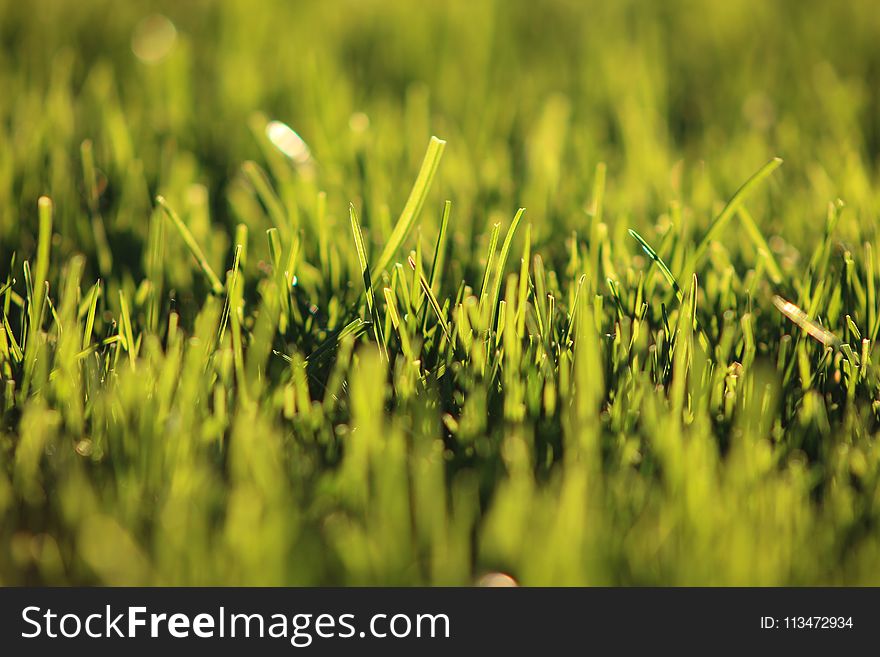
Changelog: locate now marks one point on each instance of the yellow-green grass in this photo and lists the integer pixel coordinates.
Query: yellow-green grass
(260, 326)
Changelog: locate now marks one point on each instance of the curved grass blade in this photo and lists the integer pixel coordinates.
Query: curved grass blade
(574, 305)
(523, 284)
(259, 180)
(440, 249)
(490, 259)
(799, 317)
(90, 315)
(733, 205)
(355, 327)
(391, 305)
(757, 236)
(99, 230)
(439, 256)
(195, 249)
(413, 203)
(652, 254)
(231, 282)
(13, 344)
(431, 298)
(701, 335)
(502, 260)
(126, 328)
(365, 270)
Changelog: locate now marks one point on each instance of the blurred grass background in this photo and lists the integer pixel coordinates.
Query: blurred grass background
(162, 457)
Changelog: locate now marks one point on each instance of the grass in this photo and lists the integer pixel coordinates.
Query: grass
(253, 333)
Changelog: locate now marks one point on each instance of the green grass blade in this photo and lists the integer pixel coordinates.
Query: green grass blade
(490, 260)
(502, 261)
(362, 255)
(13, 343)
(231, 282)
(802, 319)
(652, 254)
(733, 205)
(354, 328)
(126, 329)
(440, 248)
(195, 249)
(413, 204)
(99, 231)
(871, 292)
(263, 187)
(760, 243)
(667, 274)
(426, 288)
(391, 305)
(365, 272)
(523, 285)
(90, 314)
(41, 265)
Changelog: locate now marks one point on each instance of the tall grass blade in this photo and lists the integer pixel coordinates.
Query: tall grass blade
(413, 204)
(195, 249)
(733, 205)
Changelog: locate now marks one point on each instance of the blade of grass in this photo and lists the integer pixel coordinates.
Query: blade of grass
(426, 288)
(595, 211)
(195, 249)
(871, 300)
(13, 344)
(502, 261)
(41, 265)
(90, 315)
(413, 204)
(799, 317)
(391, 305)
(235, 296)
(355, 327)
(439, 257)
(231, 282)
(733, 205)
(99, 231)
(440, 248)
(667, 274)
(523, 285)
(126, 329)
(757, 237)
(365, 272)
(280, 279)
(490, 260)
(261, 184)
(652, 254)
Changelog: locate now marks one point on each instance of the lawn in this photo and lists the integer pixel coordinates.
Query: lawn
(408, 293)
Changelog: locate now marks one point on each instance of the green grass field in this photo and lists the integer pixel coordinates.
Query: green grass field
(232, 353)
